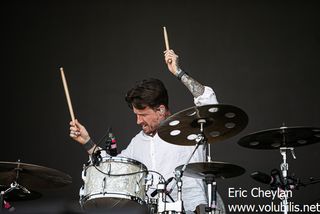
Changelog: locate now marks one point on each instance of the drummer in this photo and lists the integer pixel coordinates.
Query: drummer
(149, 101)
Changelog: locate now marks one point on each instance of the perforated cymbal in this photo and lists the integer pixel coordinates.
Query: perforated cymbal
(32, 176)
(221, 122)
(216, 169)
(281, 137)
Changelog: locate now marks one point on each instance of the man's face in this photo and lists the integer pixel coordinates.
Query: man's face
(149, 119)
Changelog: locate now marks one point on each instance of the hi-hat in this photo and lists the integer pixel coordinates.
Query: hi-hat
(281, 137)
(32, 176)
(215, 169)
(219, 122)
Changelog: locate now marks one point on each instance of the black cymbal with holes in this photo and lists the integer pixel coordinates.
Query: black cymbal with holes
(214, 169)
(281, 137)
(220, 122)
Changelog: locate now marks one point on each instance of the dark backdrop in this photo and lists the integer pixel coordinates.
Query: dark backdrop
(262, 56)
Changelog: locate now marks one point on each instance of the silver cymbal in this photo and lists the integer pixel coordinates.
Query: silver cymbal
(220, 122)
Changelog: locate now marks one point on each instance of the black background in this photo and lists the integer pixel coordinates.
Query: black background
(261, 56)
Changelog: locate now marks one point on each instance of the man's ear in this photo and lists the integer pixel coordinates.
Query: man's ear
(162, 109)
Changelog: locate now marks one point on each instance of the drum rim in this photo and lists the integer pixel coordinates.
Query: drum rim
(88, 198)
(124, 160)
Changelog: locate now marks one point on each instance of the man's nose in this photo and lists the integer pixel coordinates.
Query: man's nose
(139, 119)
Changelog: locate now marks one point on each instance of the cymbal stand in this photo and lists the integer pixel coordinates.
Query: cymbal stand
(209, 179)
(2, 200)
(14, 185)
(284, 169)
(177, 206)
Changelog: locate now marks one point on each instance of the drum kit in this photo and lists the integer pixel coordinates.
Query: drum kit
(120, 182)
(115, 182)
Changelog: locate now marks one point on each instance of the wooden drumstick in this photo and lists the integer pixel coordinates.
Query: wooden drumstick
(166, 38)
(166, 41)
(67, 94)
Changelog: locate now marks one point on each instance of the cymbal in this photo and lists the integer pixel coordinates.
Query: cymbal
(20, 195)
(221, 122)
(216, 169)
(281, 137)
(32, 176)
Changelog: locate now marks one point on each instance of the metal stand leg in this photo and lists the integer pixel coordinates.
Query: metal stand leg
(284, 169)
(211, 194)
(2, 200)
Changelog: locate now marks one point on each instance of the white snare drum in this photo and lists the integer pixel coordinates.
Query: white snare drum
(116, 182)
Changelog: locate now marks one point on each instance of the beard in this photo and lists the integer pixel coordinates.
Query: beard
(150, 129)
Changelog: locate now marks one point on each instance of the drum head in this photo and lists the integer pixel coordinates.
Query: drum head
(124, 160)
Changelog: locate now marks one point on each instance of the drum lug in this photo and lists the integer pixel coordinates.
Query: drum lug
(104, 184)
(83, 175)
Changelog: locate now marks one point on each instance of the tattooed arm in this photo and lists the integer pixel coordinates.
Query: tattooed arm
(194, 86)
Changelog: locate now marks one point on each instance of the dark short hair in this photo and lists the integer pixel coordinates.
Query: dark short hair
(149, 92)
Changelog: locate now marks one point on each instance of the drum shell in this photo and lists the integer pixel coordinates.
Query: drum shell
(116, 181)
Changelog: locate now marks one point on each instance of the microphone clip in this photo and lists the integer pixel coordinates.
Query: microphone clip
(96, 158)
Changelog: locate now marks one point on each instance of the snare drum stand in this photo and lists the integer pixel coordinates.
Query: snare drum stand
(177, 206)
(165, 207)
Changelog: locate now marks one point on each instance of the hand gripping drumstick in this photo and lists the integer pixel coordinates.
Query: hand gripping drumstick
(67, 94)
(166, 40)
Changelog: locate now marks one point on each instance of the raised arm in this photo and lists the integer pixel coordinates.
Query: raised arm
(172, 61)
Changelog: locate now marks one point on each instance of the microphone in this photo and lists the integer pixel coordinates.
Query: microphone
(113, 144)
(274, 179)
(104, 142)
(261, 177)
(154, 193)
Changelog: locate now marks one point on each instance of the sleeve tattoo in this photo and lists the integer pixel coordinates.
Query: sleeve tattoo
(194, 86)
